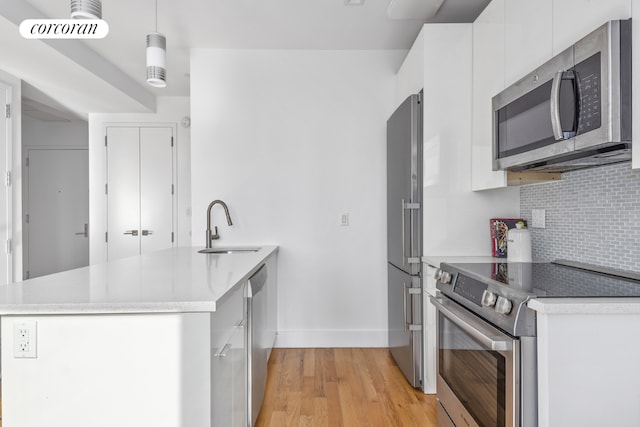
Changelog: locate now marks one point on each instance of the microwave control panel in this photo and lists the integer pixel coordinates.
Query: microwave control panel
(588, 73)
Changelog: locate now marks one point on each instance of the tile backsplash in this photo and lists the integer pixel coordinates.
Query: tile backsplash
(592, 216)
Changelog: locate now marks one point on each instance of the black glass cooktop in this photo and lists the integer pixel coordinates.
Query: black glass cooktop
(555, 280)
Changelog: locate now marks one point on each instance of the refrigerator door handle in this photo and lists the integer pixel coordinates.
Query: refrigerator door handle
(404, 306)
(407, 260)
(408, 302)
(404, 258)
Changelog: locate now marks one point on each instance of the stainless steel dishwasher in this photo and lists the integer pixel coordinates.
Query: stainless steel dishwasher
(258, 342)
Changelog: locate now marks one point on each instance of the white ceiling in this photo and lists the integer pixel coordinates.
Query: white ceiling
(248, 24)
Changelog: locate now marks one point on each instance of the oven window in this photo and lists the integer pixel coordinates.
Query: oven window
(476, 375)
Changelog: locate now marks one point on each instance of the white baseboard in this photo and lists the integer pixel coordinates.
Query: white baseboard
(332, 338)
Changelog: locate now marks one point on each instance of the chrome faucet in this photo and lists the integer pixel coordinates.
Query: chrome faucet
(210, 237)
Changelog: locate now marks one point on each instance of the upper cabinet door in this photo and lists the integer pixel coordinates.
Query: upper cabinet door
(488, 80)
(574, 19)
(528, 36)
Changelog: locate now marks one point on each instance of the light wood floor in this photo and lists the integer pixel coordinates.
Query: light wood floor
(348, 387)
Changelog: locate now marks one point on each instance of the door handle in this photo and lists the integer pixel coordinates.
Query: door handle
(131, 232)
(84, 233)
(147, 232)
(224, 351)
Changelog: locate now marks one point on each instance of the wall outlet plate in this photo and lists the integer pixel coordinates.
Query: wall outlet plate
(538, 218)
(25, 339)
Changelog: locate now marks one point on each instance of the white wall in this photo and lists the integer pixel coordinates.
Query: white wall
(291, 140)
(38, 133)
(170, 109)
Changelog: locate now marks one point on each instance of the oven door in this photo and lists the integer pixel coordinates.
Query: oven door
(478, 369)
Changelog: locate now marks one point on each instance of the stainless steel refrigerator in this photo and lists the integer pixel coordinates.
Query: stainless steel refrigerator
(404, 236)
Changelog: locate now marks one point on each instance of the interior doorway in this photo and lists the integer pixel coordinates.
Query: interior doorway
(55, 187)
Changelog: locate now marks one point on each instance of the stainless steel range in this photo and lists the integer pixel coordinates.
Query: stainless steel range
(487, 369)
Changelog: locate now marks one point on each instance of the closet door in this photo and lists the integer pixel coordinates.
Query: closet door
(140, 189)
(123, 191)
(156, 189)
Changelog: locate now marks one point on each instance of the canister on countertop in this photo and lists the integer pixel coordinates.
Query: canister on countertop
(519, 244)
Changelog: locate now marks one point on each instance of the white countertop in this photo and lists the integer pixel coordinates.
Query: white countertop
(171, 280)
(585, 305)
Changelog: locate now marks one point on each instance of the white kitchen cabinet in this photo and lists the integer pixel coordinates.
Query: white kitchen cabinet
(528, 41)
(488, 80)
(228, 359)
(149, 369)
(574, 19)
(410, 76)
(458, 226)
(588, 372)
(140, 189)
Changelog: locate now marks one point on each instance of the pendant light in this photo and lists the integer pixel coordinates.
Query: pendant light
(86, 9)
(156, 57)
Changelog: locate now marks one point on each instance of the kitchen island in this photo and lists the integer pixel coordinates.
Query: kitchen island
(157, 339)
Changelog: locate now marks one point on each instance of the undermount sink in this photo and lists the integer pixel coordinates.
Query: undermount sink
(228, 250)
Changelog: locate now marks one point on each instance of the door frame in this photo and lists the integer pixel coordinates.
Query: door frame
(25, 225)
(174, 172)
(10, 244)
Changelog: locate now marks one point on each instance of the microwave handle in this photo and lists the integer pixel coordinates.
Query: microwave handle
(556, 123)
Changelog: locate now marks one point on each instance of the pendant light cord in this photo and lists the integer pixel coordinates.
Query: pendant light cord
(156, 16)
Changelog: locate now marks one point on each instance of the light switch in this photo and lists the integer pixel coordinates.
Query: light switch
(344, 219)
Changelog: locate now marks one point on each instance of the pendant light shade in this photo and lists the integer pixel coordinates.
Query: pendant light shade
(156, 60)
(86, 9)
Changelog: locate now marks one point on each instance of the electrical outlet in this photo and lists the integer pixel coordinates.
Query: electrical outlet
(538, 219)
(24, 339)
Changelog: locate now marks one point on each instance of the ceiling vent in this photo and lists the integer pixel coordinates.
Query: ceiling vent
(413, 9)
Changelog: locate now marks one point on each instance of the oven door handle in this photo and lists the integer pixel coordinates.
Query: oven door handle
(486, 335)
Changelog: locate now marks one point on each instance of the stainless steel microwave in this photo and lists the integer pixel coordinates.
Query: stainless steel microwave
(572, 112)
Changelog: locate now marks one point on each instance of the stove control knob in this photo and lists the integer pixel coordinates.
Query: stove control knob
(445, 278)
(488, 299)
(438, 274)
(503, 305)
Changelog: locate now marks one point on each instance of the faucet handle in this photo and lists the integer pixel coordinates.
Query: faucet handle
(215, 235)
